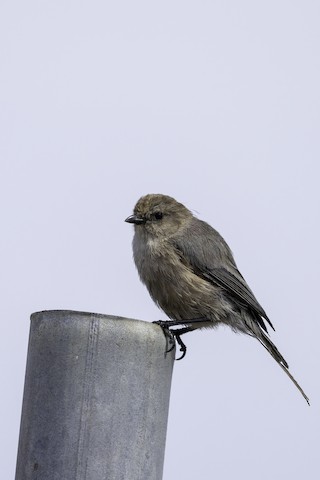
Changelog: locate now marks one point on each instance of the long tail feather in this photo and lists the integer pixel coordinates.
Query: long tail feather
(272, 349)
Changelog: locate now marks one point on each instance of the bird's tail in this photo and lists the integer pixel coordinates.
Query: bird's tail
(257, 332)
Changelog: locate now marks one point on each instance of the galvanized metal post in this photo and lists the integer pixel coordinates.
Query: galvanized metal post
(96, 399)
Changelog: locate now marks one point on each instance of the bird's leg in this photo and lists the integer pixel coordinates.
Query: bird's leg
(176, 333)
(168, 323)
(175, 323)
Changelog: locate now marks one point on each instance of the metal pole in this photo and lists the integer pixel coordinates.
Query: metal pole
(96, 399)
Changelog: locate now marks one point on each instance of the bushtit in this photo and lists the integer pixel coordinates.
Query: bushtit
(191, 274)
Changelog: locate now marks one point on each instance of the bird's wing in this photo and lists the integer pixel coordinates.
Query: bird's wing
(237, 288)
(206, 252)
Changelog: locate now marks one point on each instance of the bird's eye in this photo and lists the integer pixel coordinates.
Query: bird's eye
(158, 215)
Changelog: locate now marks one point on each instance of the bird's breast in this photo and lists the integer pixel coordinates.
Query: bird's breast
(171, 283)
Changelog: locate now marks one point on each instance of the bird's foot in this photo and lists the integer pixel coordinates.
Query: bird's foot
(171, 336)
(162, 323)
(168, 335)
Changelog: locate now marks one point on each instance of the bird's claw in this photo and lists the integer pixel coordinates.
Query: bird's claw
(162, 324)
(183, 348)
(171, 336)
(168, 334)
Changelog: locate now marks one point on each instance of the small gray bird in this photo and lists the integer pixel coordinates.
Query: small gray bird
(191, 274)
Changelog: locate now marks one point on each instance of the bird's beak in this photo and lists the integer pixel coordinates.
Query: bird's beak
(135, 219)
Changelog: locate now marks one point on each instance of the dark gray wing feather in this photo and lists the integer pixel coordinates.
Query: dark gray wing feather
(238, 289)
(203, 248)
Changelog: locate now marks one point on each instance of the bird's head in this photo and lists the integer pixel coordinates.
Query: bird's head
(159, 215)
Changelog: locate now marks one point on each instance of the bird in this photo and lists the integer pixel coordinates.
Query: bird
(190, 273)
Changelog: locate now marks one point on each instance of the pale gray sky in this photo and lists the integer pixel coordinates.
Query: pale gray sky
(217, 104)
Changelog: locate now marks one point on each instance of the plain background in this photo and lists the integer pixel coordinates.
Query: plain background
(213, 102)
